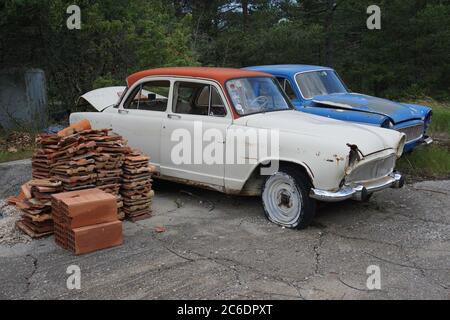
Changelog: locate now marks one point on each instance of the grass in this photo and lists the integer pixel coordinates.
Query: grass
(431, 161)
(426, 162)
(16, 145)
(441, 116)
(6, 156)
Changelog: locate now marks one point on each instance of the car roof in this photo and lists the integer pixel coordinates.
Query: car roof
(287, 69)
(220, 75)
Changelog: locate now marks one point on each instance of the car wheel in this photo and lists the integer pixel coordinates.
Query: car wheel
(286, 201)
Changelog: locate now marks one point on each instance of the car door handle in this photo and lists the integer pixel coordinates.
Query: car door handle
(123, 111)
(174, 116)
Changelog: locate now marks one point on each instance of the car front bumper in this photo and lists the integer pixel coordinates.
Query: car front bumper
(426, 140)
(361, 191)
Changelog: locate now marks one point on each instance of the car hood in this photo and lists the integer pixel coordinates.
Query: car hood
(103, 98)
(369, 139)
(397, 112)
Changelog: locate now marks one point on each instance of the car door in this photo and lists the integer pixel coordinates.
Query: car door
(140, 115)
(194, 131)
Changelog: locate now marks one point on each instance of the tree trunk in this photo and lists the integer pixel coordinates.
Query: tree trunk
(329, 43)
(245, 13)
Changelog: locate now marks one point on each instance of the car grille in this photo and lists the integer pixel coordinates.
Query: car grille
(413, 132)
(373, 170)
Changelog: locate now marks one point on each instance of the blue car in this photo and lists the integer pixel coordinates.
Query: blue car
(320, 91)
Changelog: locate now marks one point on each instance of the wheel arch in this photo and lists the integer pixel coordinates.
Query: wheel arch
(254, 181)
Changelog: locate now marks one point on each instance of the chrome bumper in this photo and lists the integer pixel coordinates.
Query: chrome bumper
(427, 140)
(359, 192)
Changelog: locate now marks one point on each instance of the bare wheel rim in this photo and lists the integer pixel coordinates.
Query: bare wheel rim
(282, 199)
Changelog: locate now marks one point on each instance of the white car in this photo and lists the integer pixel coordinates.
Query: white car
(235, 131)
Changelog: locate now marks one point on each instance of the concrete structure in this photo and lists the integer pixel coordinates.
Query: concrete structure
(23, 98)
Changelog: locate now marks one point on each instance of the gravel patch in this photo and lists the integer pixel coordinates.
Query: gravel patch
(9, 234)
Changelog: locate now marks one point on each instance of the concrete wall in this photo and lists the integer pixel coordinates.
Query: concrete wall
(23, 99)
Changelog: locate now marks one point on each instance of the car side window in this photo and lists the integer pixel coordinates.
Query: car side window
(150, 96)
(287, 87)
(199, 99)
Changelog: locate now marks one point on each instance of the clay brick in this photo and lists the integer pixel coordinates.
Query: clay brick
(97, 237)
(85, 207)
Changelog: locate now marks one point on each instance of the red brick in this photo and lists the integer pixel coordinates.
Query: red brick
(97, 237)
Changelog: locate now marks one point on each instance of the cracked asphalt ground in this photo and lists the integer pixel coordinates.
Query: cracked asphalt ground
(222, 247)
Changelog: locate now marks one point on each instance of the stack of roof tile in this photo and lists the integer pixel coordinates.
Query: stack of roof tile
(86, 221)
(35, 202)
(74, 163)
(44, 155)
(110, 154)
(136, 189)
(79, 158)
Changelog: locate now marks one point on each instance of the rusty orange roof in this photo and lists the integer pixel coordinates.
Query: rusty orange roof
(220, 75)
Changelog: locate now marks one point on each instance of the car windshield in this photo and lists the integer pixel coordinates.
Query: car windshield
(319, 83)
(257, 95)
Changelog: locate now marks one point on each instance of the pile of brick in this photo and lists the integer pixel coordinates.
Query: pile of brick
(35, 203)
(79, 158)
(136, 189)
(86, 221)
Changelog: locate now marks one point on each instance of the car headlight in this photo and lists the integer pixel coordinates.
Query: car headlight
(372, 170)
(388, 124)
(428, 118)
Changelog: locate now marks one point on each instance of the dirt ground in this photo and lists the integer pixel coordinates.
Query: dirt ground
(221, 247)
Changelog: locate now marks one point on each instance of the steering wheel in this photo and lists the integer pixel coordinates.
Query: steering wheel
(262, 101)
